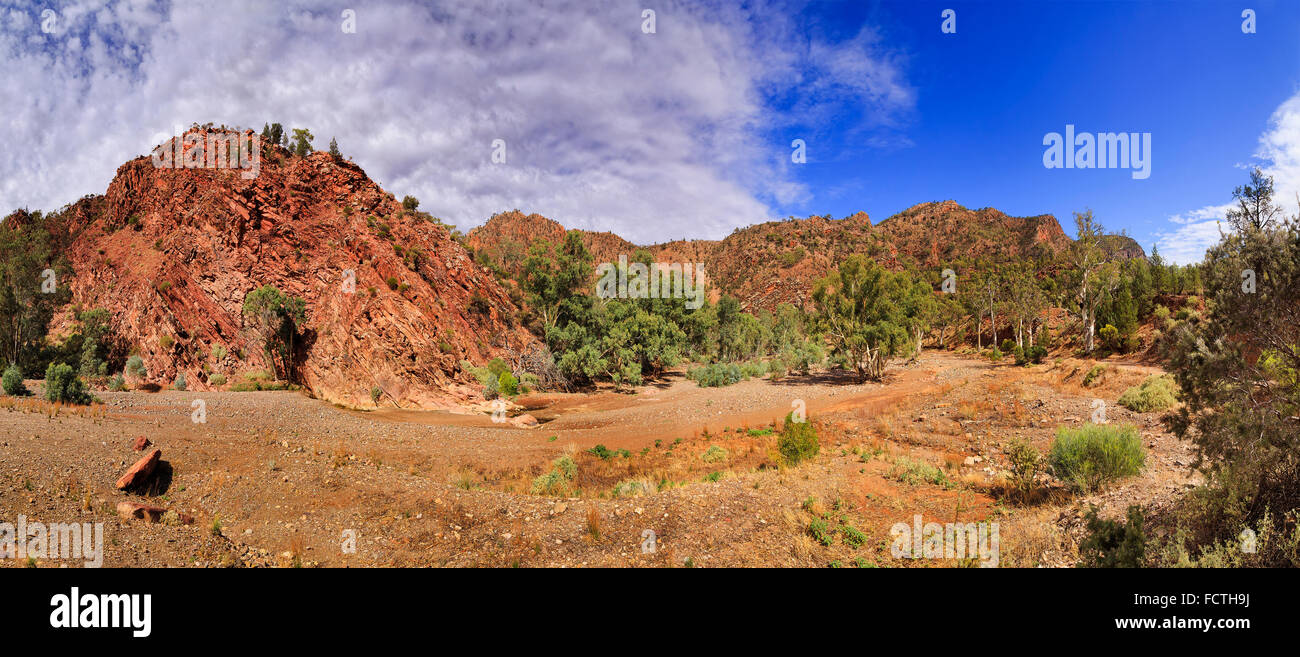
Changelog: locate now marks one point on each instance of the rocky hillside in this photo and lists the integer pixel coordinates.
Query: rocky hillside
(1123, 247)
(775, 262)
(171, 253)
(504, 240)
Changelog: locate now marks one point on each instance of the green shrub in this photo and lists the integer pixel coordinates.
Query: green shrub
(1025, 462)
(375, 392)
(565, 466)
(63, 385)
(550, 483)
(803, 355)
(556, 480)
(1156, 393)
(798, 441)
(790, 258)
(1093, 455)
(714, 454)
(716, 375)
(1112, 544)
(1007, 346)
(494, 378)
(821, 532)
(1036, 354)
(507, 385)
(630, 488)
(1110, 337)
(994, 354)
(257, 386)
(118, 384)
(13, 381)
(912, 472)
(166, 342)
(179, 383)
(217, 379)
(600, 451)
(852, 536)
(1093, 375)
(1022, 358)
(135, 367)
(776, 370)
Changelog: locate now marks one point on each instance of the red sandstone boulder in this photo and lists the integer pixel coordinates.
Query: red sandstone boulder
(140, 471)
(140, 443)
(524, 421)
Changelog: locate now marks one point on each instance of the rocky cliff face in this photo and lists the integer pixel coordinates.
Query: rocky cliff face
(1122, 247)
(393, 302)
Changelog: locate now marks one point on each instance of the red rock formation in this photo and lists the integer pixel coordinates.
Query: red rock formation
(172, 252)
(136, 474)
(777, 262)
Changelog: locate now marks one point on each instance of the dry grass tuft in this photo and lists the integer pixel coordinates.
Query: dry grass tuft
(593, 525)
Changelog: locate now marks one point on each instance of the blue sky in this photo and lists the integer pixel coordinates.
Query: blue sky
(1013, 72)
(683, 130)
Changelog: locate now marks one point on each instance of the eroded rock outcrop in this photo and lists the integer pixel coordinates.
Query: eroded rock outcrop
(394, 303)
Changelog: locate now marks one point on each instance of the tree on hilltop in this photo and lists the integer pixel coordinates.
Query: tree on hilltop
(302, 142)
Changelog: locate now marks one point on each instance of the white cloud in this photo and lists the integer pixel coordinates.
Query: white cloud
(1187, 244)
(654, 136)
(1279, 156)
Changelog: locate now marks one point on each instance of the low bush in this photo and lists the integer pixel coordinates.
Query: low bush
(852, 536)
(507, 385)
(632, 488)
(802, 356)
(1093, 376)
(556, 480)
(914, 472)
(1156, 393)
(776, 370)
(63, 385)
(1036, 354)
(1093, 455)
(798, 441)
(496, 378)
(821, 532)
(13, 381)
(714, 454)
(1025, 462)
(716, 375)
(135, 367)
(1113, 544)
